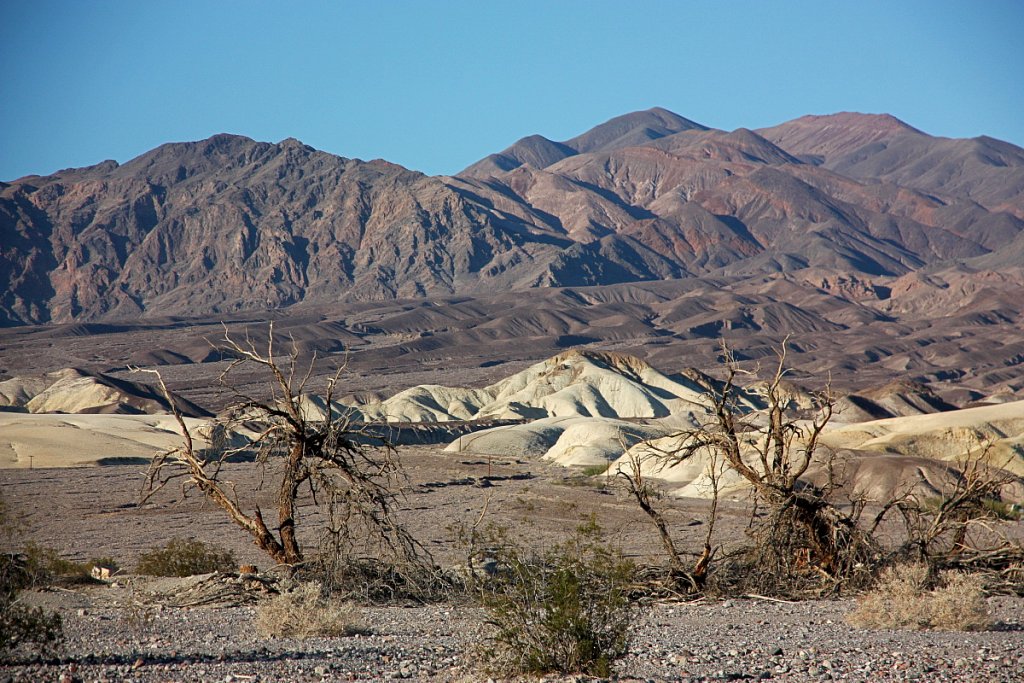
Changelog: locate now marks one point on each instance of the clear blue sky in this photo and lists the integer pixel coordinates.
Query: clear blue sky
(436, 85)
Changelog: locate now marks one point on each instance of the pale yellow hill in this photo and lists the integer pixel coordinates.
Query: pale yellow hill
(562, 440)
(74, 440)
(947, 436)
(73, 390)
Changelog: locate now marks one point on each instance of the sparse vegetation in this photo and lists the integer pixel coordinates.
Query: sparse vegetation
(21, 625)
(565, 610)
(182, 557)
(307, 611)
(803, 542)
(905, 598)
(953, 531)
(595, 470)
(43, 565)
(368, 580)
(1003, 510)
(352, 474)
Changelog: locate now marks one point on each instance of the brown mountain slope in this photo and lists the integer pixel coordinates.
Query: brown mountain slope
(230, 224)
(710, 199)
(629, 130)
(881, 147)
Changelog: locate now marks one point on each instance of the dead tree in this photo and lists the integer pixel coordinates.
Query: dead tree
(802, 533)
(638, 485)
(959, 529)
(325, 453)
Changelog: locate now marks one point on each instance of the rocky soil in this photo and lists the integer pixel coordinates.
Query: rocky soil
(746, 639)
(121, 633)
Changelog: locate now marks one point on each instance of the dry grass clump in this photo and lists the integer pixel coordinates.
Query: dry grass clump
(902, 600)
(305, 612)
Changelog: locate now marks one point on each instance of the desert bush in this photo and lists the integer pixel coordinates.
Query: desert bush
(182, 557)
(20, 625)
(961, 530)
(45, 565)
(369, 580)
(307, 611)
(41, 566)
(566, 610)
(1003, 510)
(905, 599)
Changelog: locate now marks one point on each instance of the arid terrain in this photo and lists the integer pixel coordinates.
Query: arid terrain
(94, 511)
(529, 326)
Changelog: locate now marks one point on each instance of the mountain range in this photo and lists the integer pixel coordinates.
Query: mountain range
(229, 224)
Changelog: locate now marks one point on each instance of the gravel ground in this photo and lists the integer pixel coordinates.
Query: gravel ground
(704, 641)
(91, 512)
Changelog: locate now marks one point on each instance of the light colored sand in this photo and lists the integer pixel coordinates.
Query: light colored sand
(562, 440)
(947, 436)
(427, 403)
(74, 440)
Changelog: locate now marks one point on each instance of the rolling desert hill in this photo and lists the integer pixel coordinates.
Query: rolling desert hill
(579, 409)
(571, 384)
(73, 390)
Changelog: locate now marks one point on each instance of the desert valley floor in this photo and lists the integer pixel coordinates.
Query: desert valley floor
(93, 511)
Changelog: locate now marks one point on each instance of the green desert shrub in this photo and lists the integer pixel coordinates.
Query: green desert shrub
(904, 600)
(564, 610)
(307, 611)
(182, 557)
(594, 470)
(1001, 509)
(45, 565)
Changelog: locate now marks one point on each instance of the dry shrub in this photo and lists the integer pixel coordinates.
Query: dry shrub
(21, 626)
(182, 557)
(305, 612)
(804, 543)
(350, 470)
(902, 600)
(371, 581)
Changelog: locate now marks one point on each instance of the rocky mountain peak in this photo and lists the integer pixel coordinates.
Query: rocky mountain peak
(229, 223)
